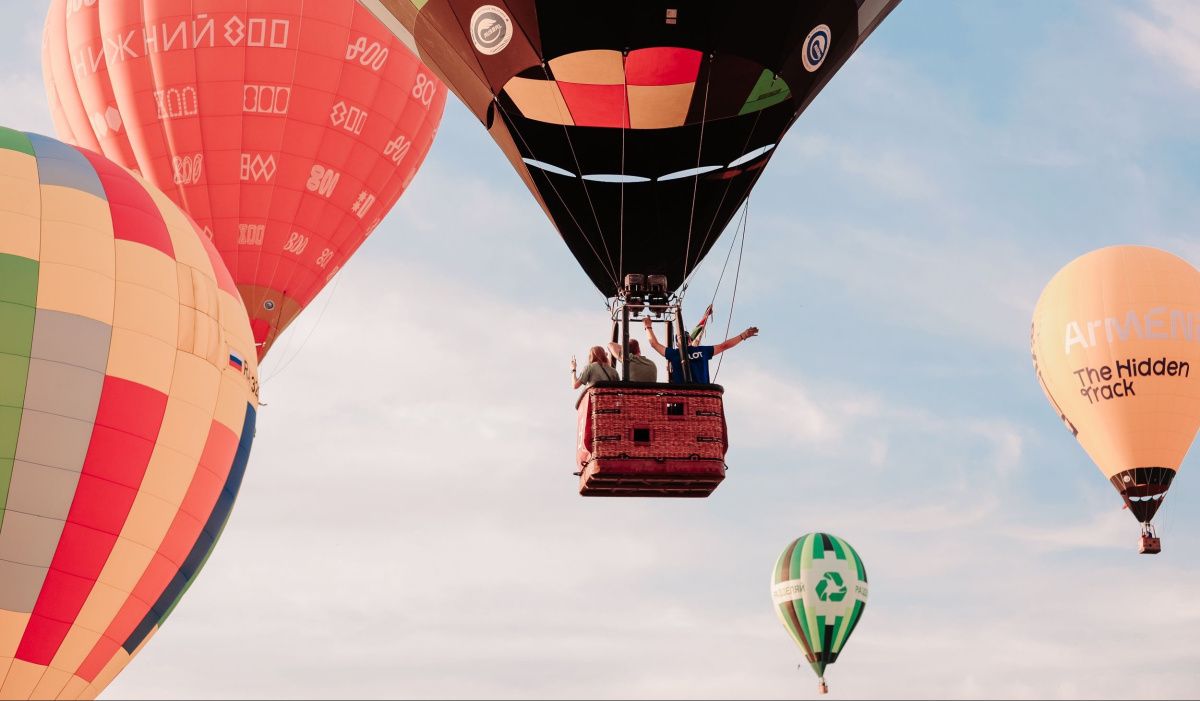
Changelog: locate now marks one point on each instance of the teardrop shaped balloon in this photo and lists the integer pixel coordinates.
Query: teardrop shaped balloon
(1116, 335)
(127, 408)
(819, 587)
(639, 127)
(286, 130)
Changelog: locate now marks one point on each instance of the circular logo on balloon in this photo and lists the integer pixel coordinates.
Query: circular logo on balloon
(269, 304)
(816, 47)
(491, 30)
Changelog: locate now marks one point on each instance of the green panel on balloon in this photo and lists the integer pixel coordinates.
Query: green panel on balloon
(14, 369)
(18, 295)
(18, 280)
(17, 322)
(769, 90)
(15, 141)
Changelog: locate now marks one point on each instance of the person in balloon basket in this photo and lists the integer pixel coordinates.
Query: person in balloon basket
(598, 369)
(698, 356)
(641, 368)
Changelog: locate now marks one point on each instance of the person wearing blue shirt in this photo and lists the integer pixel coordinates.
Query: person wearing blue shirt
(698, 356)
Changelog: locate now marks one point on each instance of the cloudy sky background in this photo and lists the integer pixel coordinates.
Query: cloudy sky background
(409, 525)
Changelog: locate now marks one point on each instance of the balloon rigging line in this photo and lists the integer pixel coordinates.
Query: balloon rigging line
(724, 196)
(736, 277)
(616, 276)
(587, 239)
(336, 281)
(621, 203)
(741, 225)
(687, 252)
(512, 124)
(729, 181)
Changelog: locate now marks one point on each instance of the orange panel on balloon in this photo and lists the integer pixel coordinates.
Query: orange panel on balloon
(1116, 344)
(286, 130)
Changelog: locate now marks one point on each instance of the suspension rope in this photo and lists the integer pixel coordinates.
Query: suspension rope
(737, 276)
(621, 202)
(583, 184)
(728, 185)
(583, 232)
(741, 226)
(337, 280)
(687, 253)
(512, 124)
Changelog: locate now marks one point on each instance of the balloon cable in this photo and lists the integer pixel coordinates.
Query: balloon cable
(687, 252)
(621, 203)
(616, 275)
(512, 126)
(740, 228)
(736, 277)
(284, 366)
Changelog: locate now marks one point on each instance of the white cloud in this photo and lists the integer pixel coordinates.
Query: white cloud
(894, 173)
(966, 286)
(1169, 30)
(23, 104)
(409, 525)
(409, 528)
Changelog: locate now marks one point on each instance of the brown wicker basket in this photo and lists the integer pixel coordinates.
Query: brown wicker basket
(650, 439)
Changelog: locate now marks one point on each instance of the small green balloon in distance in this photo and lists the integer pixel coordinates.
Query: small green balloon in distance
(819, 587)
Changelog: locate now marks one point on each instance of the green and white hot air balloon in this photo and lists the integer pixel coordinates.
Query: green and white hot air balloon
(819, 587)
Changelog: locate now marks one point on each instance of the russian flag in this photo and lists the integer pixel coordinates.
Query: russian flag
(235, 360)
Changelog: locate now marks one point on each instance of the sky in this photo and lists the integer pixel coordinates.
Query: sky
(409, 524)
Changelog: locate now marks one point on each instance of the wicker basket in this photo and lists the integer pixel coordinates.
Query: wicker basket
(649, 439)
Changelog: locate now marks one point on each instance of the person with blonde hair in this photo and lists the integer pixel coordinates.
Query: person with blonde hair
(598, 369)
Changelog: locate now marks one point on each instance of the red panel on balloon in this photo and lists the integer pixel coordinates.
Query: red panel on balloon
(662, 66)
(596, 105)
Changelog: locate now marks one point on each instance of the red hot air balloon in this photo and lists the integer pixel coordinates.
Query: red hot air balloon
(285, 129)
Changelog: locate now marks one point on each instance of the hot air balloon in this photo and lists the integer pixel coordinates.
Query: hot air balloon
(127, 406)
(819, 587)
(640, 129)
(1115, 334)
(286, 130)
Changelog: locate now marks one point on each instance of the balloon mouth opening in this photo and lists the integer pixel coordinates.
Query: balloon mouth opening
(1143, 489)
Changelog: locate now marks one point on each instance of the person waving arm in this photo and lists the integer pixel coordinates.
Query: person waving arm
(731, 342)
(653, 339)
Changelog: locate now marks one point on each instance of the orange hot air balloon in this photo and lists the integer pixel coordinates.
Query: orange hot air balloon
(1116, 346)
(285, 129)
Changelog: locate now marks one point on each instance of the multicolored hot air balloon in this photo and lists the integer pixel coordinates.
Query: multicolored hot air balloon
(639, 127)
(1115, 335)
(285, 129)
(819, 587)
(127, 407)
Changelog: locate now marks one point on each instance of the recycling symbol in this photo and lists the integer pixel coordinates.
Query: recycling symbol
(831, 587)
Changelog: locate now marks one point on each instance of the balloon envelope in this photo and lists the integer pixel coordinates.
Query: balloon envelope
(285, 129)
(1115, 340)
(127, 408)
(819, 587)
(639, 127)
